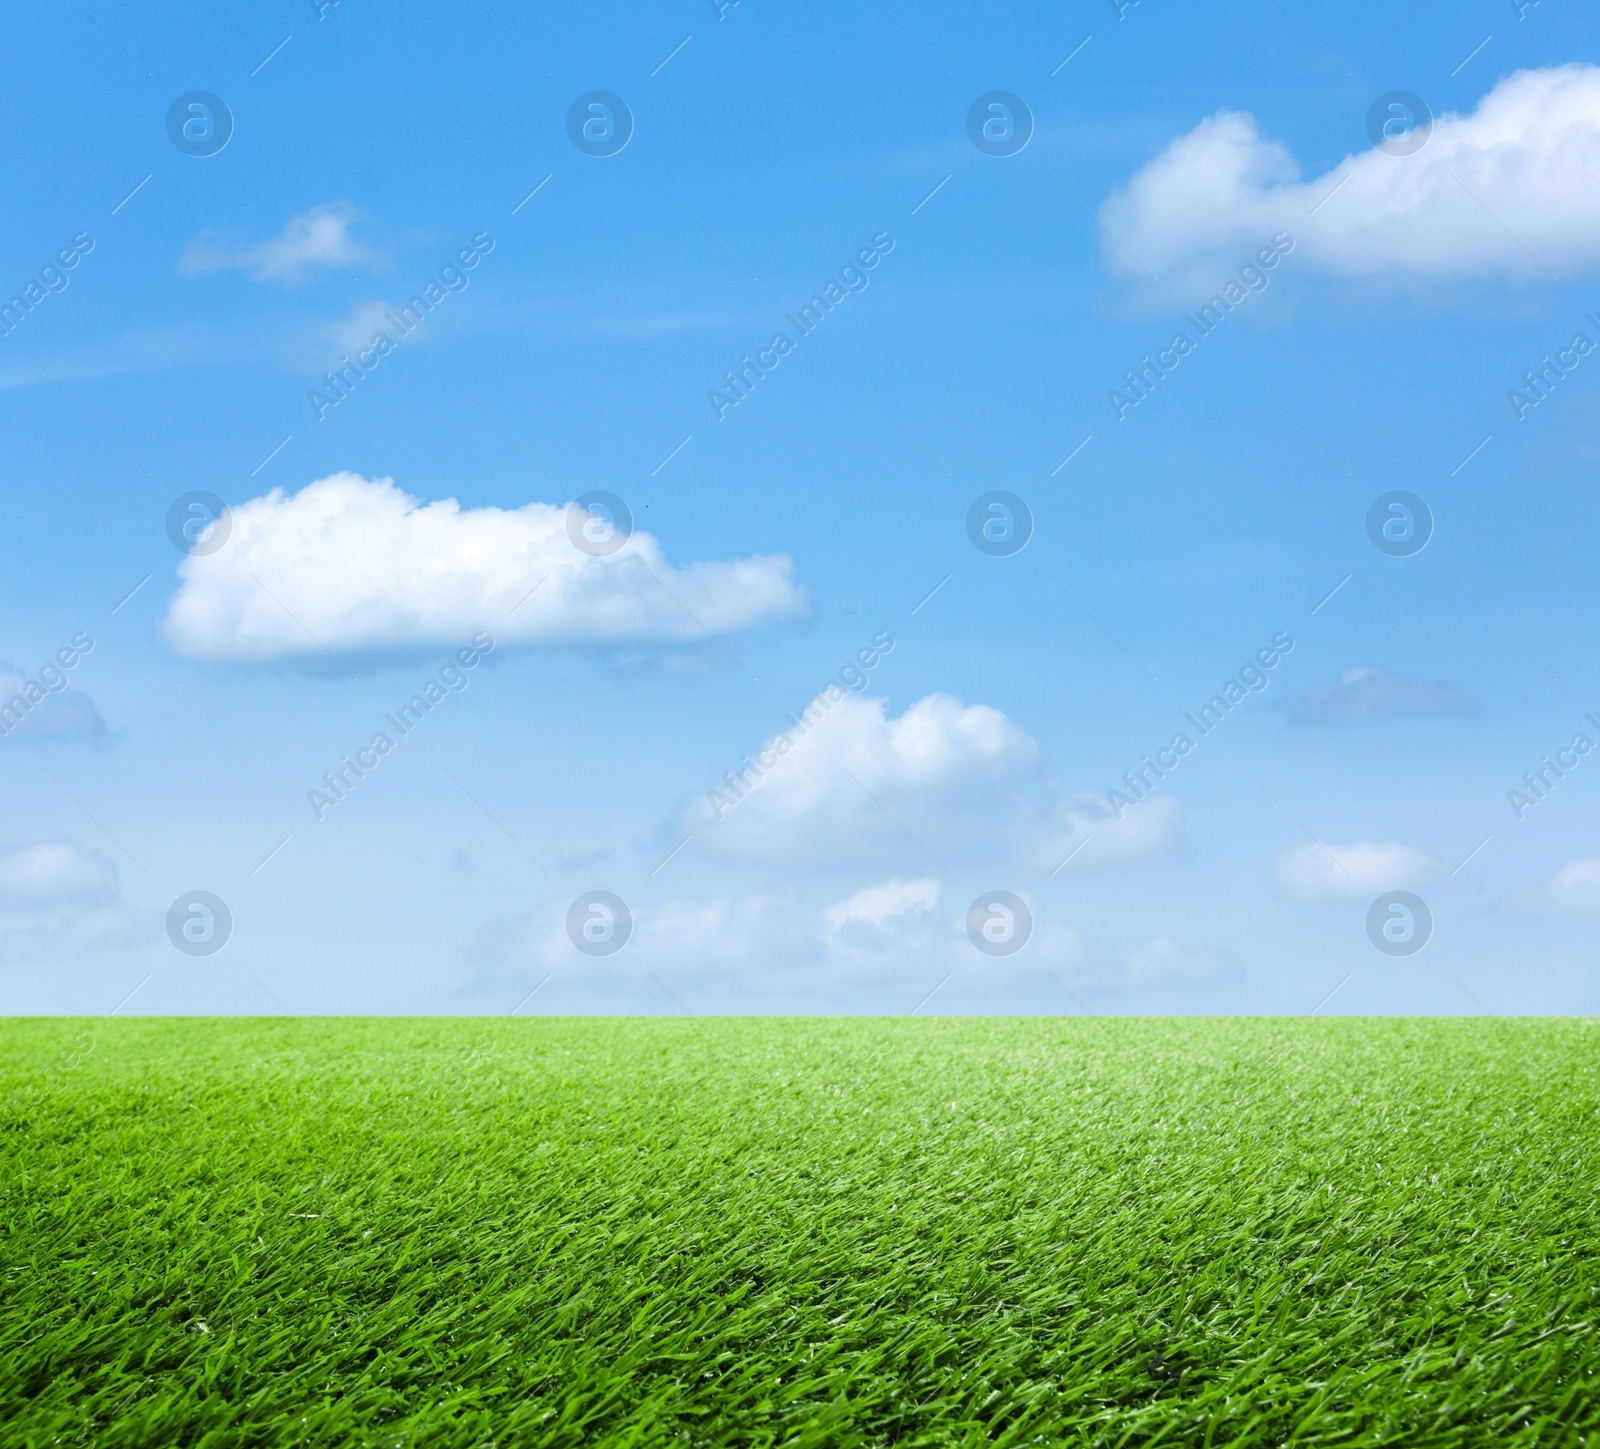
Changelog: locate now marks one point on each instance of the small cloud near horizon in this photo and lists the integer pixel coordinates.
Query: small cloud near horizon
(1574, 890)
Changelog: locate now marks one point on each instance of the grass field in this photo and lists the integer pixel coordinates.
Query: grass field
(800, 1232)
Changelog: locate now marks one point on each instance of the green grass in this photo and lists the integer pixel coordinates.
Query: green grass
(799, 1232)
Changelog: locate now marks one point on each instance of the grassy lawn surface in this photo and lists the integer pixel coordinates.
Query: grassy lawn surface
(799, 1232)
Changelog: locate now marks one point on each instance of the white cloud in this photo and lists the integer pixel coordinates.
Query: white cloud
(355, 564)
(882, 925)
(62, 905)
(1162, 960)
(1527, 160)
(51, 872)
(1349, 872)
(727, 935)
(85, 931)
(723, 932)
(349, 334)
(318, 242)
(877, 905)
(504, 951)
(889, 942)
(945, 780)
(1370, 693)
(1096, 837)
(32, 712)
(1573, 890)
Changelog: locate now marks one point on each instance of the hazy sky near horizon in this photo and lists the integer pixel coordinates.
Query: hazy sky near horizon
(819, 294)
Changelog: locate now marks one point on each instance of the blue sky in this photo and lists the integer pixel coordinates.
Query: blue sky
(778, 543)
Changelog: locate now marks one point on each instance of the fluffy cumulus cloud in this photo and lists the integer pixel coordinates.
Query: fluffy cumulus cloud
(316, 244)
(1510, 192)
(1314, 872)
(58, 903)
(945, 781)
(1368, 693)
(1574, 890)
(355, 564)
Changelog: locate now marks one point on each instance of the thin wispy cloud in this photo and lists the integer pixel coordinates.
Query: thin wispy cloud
(1369, 693)
(319, 243)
